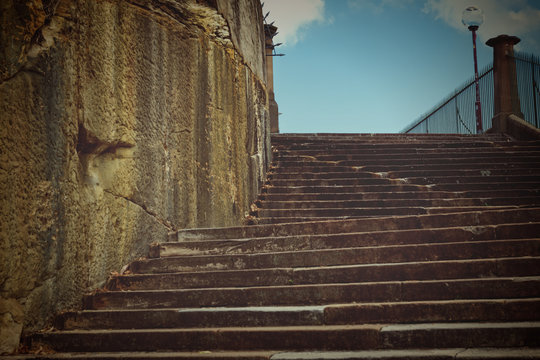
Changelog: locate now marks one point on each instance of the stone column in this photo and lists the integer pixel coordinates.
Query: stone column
(270, 31)
(506, 97)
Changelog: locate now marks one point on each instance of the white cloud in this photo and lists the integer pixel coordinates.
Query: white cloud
(511, 17)
(293, 17)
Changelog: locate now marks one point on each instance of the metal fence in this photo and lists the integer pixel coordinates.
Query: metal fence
(528, 76)
(457, 115)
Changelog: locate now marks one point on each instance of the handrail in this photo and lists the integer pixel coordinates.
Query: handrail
(530, 58)
(437, 108)
(528, 71)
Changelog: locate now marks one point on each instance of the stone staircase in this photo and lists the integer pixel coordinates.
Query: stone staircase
(331, 177)
(365, 247)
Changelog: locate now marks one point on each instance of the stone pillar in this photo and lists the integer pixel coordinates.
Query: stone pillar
(506, 97)
(270, 31)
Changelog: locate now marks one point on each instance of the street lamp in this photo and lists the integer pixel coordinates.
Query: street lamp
(472, 18)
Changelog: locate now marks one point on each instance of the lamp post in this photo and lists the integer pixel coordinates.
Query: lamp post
(473, 17)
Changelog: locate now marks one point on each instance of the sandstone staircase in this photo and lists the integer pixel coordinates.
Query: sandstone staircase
(366, 247)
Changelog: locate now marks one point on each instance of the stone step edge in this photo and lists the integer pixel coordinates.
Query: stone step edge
(373, 336)
(157, 250)
(284, 216)
(374, 148)
(314, 308)
(397, 177)
(502, 267)
(302, 139)
(262, 202)
(516, 157)
(416, 180)
(290, 270)
(150, 355)
(428, 209)
(430, 206)
(287, 139)
(392, 177)
(330, 314)
(399, 185)
(186, 248)
(407, 195)
(464, 219)
(447, 282)
(227, 261)
(382, 327)
(318, 294)
(474, 156)
(405, 354)
(478, 163)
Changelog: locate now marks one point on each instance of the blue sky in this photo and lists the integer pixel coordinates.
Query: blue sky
(374, 66)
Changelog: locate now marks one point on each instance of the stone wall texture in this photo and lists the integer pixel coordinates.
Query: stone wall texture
(120, 121)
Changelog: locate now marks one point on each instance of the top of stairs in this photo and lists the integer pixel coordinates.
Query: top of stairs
(346, 176)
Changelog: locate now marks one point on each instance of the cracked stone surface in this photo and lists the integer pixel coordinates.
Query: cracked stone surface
(120, 121)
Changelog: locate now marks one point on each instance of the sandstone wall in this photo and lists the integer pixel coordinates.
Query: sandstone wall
(120, 121)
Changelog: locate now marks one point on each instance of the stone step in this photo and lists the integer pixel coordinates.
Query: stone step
(400, 187)
(220, 317)
(289, 220)
(338, 314)
(382, 143)
(475, 218)
(390, 203)
(421, 195)
(337, 212)
(390, 139)
(433, 311)
(402, 354)
(348, 337)
(362, 149)
(386, 139)
(311, 149)
(331, 182)
(346, 240)
(418, 270)
(152, 355)
(298, 219)
(340, 256)
(535, 179)
(359, 174)
(428, 354)
(382, 168)
(425, 180)
(443, 156)
(420, 160)
(445, 335)
(284, 216)
(319, 294)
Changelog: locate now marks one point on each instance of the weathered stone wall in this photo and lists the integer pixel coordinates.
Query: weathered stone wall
(120, 121)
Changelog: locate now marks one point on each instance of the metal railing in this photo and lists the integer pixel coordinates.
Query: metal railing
(528, 76)
(456, 114)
